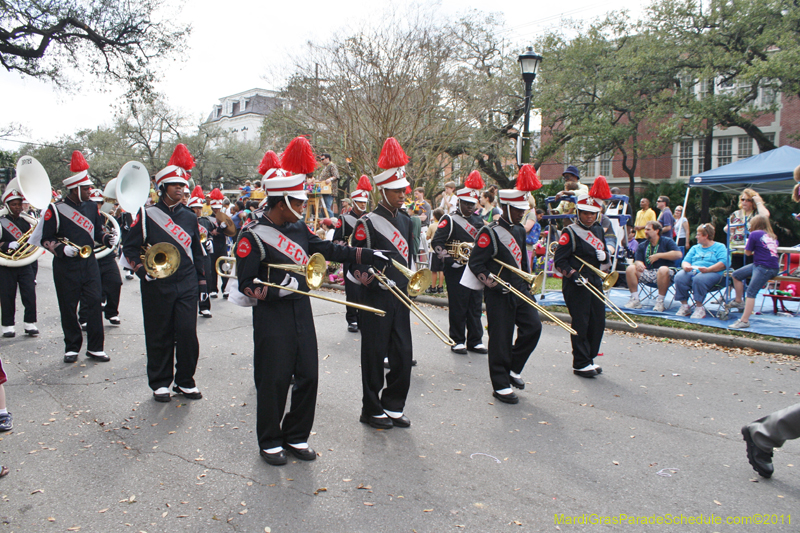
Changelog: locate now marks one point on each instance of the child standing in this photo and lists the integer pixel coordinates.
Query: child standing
(763, 246)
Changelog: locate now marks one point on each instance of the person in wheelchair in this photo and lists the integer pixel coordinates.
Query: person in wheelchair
(655, 256)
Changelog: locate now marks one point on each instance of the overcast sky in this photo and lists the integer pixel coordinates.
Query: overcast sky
(238, 45)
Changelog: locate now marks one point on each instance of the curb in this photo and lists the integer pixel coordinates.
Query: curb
(727, 341)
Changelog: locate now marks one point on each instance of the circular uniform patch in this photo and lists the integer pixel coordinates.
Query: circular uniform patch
(48, 215)
(338, 223)
(443, 223)
(484, 241)
(564, 239)
(244, 248)
(361, 234)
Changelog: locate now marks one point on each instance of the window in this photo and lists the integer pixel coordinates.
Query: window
(605, 164)
(724, 151)
(234, 108)
(589, 168)
(744, 147)
(704, 87)
(701, 152)
(686, 157)
(768, 96)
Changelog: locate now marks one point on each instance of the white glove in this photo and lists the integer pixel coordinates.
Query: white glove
(289, 282)
(148, 277)
(380, 254)
(13, 245)
(223, 225)
(70, 251)
(457, 265)
(601, 255)
(210, 246)
(114, 240)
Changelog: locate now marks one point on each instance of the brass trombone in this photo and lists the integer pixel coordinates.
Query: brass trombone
(460, 251)
(161, 260)
(609, 280)
(417, 283)
(314, 272)
(83, 251)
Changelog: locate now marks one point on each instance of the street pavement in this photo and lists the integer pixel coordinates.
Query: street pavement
(657, 435)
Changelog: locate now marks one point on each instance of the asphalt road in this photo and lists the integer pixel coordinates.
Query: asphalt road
(657, 435)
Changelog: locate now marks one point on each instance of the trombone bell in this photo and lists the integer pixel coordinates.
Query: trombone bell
(314, 271)
(161, 260)
(418, 281)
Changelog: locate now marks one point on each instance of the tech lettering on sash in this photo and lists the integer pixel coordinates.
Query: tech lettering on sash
(280, 242)
(385, 228)
(176, 232)
(11, 228)
(80, 220)
(589, 237)
(461, 221)
(508, 240)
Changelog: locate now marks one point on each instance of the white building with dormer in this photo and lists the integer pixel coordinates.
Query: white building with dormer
(243, 113)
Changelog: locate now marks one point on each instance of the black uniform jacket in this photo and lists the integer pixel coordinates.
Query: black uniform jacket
(488, 246)
(395, 241)
(7, 238)
(73, 228)
(452, 229)
(571, 246)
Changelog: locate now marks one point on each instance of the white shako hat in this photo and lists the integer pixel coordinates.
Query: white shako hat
(297, 160)
(527, 181)
(197, 199)
(270, 168)
(78, 164)
(12, 194)
(584, 202)
(594, 200)
(363, 188)
(177, 170)
(96, 195)
(472, 188)
(393, 160)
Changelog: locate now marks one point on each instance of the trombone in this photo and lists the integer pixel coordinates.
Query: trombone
(161, 260)
(83, 251)
(314, 272)
(536, 283)
(417, 283)
(609, 281)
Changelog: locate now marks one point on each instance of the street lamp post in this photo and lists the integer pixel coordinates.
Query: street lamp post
(529, 64)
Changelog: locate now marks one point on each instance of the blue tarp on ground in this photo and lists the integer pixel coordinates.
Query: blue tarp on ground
(768, 173)
(779, 325)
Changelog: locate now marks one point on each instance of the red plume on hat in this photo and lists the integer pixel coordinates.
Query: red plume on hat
(198, 192)
(269, 162)
(527, 180)
(78, 163)
(216, 194)
(181, 157)
(474, 180)
(392, 155)
(298, 158)
(600, 189)
(364, 184)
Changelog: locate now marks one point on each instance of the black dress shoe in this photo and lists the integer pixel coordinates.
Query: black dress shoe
(352, 328)
(401, 422)
(584, 373)
(759, 459)
(598, 370)
(413, 362)
(377, 423)
(32, 332)
(275, 459)
(459, 349)
(9, 334)
(479, 349)
(506, 398)
(307, 454)
(100, 357)
(196, 395)
(517, 382)
(70, 357)
(163, 398)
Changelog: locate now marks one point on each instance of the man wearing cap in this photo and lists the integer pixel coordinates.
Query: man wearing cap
(110, 279)
(69, 226)
(504, 240)
(572, 174)
(464, 303)
(284, 337)
(386, 228)
(345, 225)
(221, 227)
(13, 227)
(204, 226)
(169, 304)
(583, 239)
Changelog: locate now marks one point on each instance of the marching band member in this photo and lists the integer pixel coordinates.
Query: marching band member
(222, 227)
(464, 303)
(504, 239)
(204, 226)
(584, 239)
(284, 337)
(341, 235)
(169, 304)
(13, 228)
(387, 227)
(110, 279)
(77, 278)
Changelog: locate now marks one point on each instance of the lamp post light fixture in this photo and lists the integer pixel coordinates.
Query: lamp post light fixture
(529, 64)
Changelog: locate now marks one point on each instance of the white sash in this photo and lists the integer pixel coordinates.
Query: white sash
(588, 236)
(176, 233)
(385, 228)
(281, 243)
(11, 228)
(461, 221)
(350, 219)
(75, 216)
(508, 240)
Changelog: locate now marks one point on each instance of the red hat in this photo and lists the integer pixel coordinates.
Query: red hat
(393, 160)
(584, 202)
(177, 170)
(518, 197)
(600, 189)
(96, 195)
(197, 199)
(472, 188)
(298, 160)
(270, 166)
(216, 198)
(79, 165)
(361, 194)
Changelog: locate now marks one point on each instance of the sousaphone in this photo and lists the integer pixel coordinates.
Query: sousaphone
(132, 186)
(34, 184)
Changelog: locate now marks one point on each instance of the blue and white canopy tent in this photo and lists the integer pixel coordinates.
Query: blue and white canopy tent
(766, 173)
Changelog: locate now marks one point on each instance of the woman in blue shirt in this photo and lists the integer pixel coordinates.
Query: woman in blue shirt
(702, 269)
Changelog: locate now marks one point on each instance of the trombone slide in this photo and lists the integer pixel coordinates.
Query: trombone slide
(378, 312)
(529, 301)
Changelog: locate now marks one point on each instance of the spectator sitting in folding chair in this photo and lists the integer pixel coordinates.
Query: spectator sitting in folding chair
(654, 257)
(702, 268)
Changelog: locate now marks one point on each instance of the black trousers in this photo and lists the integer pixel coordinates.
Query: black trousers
(78, 280)
(285, 345)
(503, 312)
(214, 279)
(465, 309)
(205, 301)
(352, 294)
(170, 330)
(111, 282)
(588, 320)
(10, 278)
(388, 336)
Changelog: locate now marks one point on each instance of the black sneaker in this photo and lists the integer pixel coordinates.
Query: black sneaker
(759, 459)
(440, 290)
